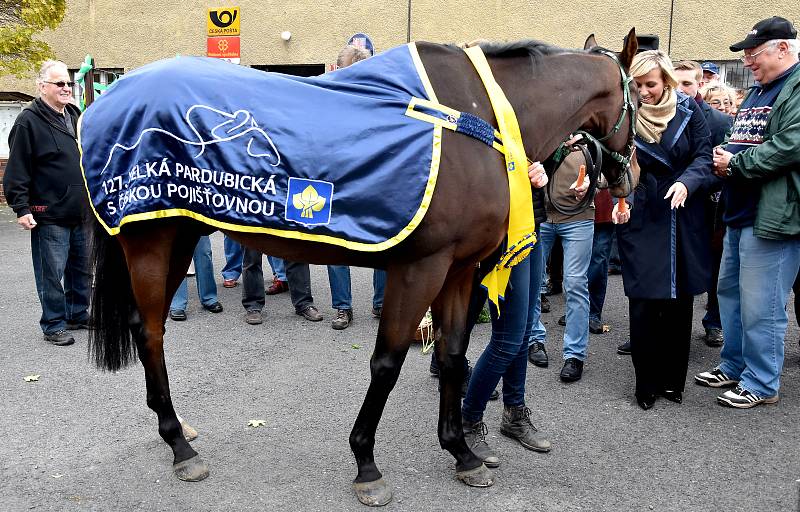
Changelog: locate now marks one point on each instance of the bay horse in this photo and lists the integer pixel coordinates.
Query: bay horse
(554, 92)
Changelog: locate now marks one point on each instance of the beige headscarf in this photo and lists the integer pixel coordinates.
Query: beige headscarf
(653, 119)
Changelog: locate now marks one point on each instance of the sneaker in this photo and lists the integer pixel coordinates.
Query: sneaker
(743, 399)
(178, 315)
(537, 355)
(517, 424)
(59, 338)
(475, 436)
(376, 311)
(310, 313)
(277, 287)
(624, 349)
(230, 283)
(572, 370)
(253, 317)
(715, 378)
(344, 317)
(713, 337)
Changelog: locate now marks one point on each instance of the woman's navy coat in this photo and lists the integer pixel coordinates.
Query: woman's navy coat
(665, 253)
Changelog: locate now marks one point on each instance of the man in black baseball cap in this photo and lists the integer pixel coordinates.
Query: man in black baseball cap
(760, 166)
(766, 30)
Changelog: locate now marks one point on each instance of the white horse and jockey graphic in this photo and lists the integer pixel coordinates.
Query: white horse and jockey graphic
(237, 125)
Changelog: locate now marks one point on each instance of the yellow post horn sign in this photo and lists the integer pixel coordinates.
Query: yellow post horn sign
(223, 21)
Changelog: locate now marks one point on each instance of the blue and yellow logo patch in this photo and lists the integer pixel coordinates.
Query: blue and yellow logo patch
(309, 201)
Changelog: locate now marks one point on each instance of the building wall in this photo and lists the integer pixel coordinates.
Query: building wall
(129, 34)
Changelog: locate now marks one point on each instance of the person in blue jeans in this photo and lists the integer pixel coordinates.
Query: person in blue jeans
(206, 286)
(233, 262)
(761, 253)
(576, 232)
(506, 357)
(598, 265)
(342, 298)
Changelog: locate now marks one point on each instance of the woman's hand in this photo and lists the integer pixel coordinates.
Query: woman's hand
(621, 212)
(679, 194)
(537, 175)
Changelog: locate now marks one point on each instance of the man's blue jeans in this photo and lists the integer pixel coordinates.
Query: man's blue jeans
(278, 268)
(506, 355)
(204, 274)
(60, 252)
(341, 293)
(755, 278)
(233, 259)
(598, 269)
(576, 239)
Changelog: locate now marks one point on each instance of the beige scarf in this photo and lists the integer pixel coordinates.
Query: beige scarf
(653, 119)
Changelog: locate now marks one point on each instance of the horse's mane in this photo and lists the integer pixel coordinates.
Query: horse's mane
(531, 47)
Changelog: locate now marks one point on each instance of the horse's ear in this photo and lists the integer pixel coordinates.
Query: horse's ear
(629, 50)
(590, 43)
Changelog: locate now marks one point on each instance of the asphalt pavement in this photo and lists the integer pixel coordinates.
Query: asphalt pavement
(82, 439)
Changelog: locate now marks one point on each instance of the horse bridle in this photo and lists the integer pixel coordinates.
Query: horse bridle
(600, 149)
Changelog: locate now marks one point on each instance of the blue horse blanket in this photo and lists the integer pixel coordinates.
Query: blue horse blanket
(332, 158)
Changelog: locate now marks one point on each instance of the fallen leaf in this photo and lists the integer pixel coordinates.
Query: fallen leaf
(57, 475)
(256, 423)
(32, 378)
(355, 346)
(606, 328)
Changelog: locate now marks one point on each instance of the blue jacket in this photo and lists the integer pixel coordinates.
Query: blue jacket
(665, 253)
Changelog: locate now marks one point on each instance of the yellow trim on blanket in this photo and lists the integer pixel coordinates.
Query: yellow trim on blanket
(310, 237)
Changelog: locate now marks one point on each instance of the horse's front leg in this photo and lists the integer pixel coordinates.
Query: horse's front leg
(457, 309)
(409, 291)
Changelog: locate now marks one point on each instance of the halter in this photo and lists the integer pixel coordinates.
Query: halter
(628, 107)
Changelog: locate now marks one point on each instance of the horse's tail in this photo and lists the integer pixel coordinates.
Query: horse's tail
(110, 341)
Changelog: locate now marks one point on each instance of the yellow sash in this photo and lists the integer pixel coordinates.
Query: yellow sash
(521, 227)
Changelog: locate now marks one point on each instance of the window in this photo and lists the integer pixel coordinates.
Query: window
(101, 76)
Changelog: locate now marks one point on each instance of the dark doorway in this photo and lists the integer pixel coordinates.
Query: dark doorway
(293, 69)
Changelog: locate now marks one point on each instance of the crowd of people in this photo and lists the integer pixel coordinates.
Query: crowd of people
(716, 210)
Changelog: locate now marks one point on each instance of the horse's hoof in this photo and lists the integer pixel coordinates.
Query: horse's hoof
(478, 477)
(374, 494)
(191, 470)
(188, 432)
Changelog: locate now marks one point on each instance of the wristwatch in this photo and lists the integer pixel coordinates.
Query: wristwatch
(728, 171)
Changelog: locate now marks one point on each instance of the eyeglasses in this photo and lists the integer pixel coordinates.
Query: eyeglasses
(752, 57)
(717, 103)
(61, 84)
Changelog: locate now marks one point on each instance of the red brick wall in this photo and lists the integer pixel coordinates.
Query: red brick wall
(2, 172)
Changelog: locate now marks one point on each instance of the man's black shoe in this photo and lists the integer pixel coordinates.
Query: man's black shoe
(376, 312)
(537, 355)
(59, 338)
(311, 314)
(596, 326)
(545, 304)
(562, 320)
(624, 349)
(572, 370)
(714, 338)
(214, 308)
(178, 315)
(76, 326)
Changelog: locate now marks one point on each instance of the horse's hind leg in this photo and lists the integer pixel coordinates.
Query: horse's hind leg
(409, 291)
(156, 270)
(457, 309)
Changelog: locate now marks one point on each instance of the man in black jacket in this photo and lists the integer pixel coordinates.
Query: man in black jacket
(44, 187)
(690, 80)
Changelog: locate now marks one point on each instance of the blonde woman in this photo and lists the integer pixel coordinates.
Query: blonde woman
(664, 246)
(719, 97)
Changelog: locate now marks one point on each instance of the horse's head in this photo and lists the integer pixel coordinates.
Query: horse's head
(615, 122)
